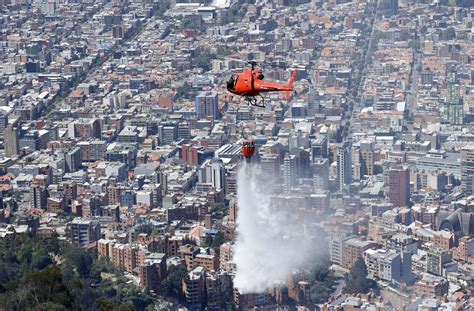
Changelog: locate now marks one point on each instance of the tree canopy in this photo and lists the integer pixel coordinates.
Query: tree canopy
(204, 60)
(322, 280)
(48, 274)
(356, 279)
(184, 91)
(172, 284)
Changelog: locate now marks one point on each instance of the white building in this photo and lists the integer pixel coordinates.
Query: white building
(211, 175)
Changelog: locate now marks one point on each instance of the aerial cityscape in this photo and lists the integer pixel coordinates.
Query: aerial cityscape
(237, 155)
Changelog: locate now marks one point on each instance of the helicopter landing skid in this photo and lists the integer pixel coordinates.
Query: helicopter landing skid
(253, 101)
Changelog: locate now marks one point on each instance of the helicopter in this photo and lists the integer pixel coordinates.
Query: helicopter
(251, 84)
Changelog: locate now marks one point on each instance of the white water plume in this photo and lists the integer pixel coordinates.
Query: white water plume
(271, 239)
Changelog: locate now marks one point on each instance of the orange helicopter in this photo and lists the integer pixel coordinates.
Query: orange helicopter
(250, 84)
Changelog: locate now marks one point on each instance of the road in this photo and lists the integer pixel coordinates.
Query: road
(414, 81)
(355, 100)
(337, 298)
(339, 287)
(369, 48)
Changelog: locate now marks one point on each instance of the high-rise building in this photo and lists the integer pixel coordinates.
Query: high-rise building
(299, 140)
(211, 175)
(73, 159)
(56, 204)
(270, 164)
(39, 196)
(207, 105)
(356, 162)
(226, 254)
(453, 108)
(465, 249)
(85, 129)
(209, 262)
(34, 140)
(353, 249)
(319, 147)
(367, 158)
(218, 290)
(320, 168)
(467, 169)
(195, 155)
(152, 271)
(435, 259)
(362, 159)
(302, 159)
(167, 133)
(93, 150)
(431, 285)
(33, 66)
(336, 241)
(188, 253)
(344, 166)
(194, 288)
(289, 173)
(391, 265)
(11, 134)
(122, 152)
(184, 130)
(399, 186)
(3, 121)
(389, 6)
(313, 102)
(117, 32)
(426, 77)
(84, 232)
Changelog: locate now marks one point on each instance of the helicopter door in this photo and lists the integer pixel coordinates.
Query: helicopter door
(232, 82)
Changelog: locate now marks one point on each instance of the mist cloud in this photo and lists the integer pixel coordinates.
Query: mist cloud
(271, 239)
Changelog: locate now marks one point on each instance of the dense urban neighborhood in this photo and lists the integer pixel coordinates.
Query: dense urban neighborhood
(123, 184)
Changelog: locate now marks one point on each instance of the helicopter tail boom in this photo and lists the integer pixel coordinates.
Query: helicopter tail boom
(290, 83)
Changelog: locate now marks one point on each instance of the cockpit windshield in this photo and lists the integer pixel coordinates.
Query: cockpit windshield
(232, 82)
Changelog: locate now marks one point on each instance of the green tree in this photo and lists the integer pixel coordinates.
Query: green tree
(235, 12)
(155, 232)
(77, 259)
(208, 241)
(414, 44)
(106, 304)
(322, 281)
(218, 240)
(40, 259)
(131, 293)
(184, 91)
(204, 60)
(356, 279)
(101, 265)
(145, 228)
(50, 306)
(450, 33)
(172, 284)
(31, 280)
(47, 286)
(224, 51)
(186, 22)
(187, 240)
(164, 5)
(424, 30)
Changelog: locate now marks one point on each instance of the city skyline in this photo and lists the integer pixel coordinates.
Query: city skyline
(237, 155)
